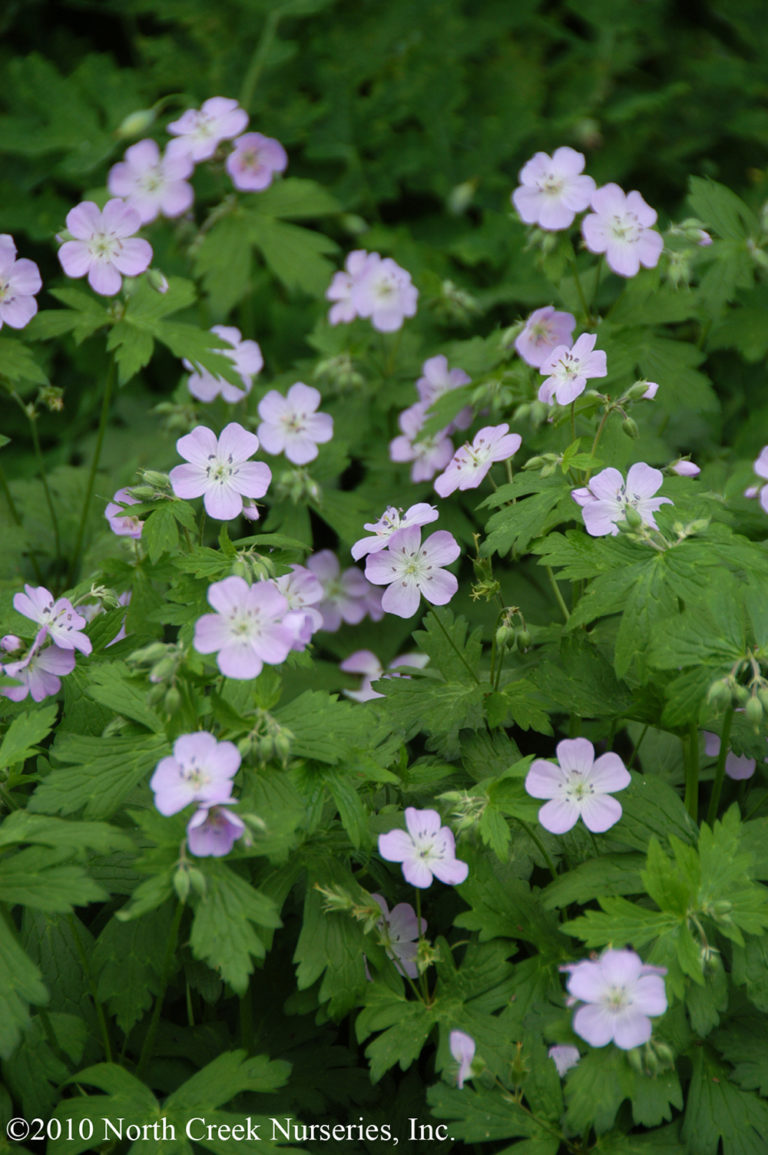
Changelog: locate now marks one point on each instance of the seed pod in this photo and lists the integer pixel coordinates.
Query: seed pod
(523, 639)
(505, 638)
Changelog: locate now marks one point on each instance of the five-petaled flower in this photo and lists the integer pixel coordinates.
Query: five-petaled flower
(463, 1051)
(254, 160)
(578, 786)
(57, 617)
(345, 593)
(38, 673)
(620, 227)
(292, 425)
(199, 770)
(219, 470)
(567, 370)
(19, 281)
(152, 184)
(621, 994)
(425, 849)
(391, 520)
(212, 831)
(545, 330)
(409, 569)
(607, 498)
(199, 131)
(553, 189)
(399, 934)
(429, 454)
(121, 522)
(471, 463)
(247, 628)
(383, 292)
(104, 246)
(244, 355)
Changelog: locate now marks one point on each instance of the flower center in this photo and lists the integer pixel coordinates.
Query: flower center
(250, 159)
(617, 999)
(219, 471)
(551, 184)
(195, 775)
(626, 228)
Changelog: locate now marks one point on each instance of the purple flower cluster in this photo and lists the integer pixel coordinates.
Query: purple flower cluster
(201, 770)
(372, 287)
(607, 498)
(51, 655)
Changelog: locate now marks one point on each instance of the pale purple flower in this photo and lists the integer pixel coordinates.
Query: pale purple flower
(545, 330)
(104, 247)
(247, 629)
(302, 591)
(344, 594)
(390, 522)
(428, 454)
(577, 786)
(651, 391)
(366, 663)
(463, 1051)
(685, 468)
(620, 227)
(39, 673)
(10, 643)
(607, 498)
(399, 932)
(621, 994)
(737, 766)
(425, 849)
(219, 470)
(199, 770)
(199, 132)
(760, 467)
(244, 355)
(255, 159)
(384, 292)
(340, 289)
(292, 425)
(552, 189)
(58, 617)
(438, 379)
(410, 569)
(152, 184)
(567, 370)
(19, 281)
(564, 1057)
(124, 525)
(470, 464)
(213, 831)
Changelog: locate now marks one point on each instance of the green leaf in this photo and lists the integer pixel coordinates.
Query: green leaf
(18, 364)
(113, 686)
(125, 958)
(132, 348)
(603, 1079)
(620, 921)
(721, 209)
(224, 262)
(404, 1025)
(651, 807)
(24, 733)
(742, 1043)
(504, 906)
(484, 1115)
(161, 532)
(102, 773)
(37, 877)
(717, 1111)
(225, 927)
(20, 984)
(610, 874)
(295, 199)
(295, 255)
(457, 659)
(21, 826)
(331, 942)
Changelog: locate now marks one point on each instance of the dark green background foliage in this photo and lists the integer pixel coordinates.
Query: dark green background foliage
(406, 125)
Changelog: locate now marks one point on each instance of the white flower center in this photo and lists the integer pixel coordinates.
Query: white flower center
(625, 228)
(551, 184)
(617, 999)
(195, 775)
(220, 471)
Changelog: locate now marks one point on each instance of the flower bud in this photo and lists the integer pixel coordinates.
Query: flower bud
(635, 1060)
(523, 639)
(172, 701)
(632, 518)
(181, 883)
(506, 638)
(719, 694)
(10, 643)
(155, 478)
(762, 694)
(157, 281)
(197, 880)
(754, 712)
(740, 694)
(641, 391)
(162, 670)
(629, 425)
(135, 123)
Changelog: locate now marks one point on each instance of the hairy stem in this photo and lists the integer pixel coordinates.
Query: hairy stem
(103, 418)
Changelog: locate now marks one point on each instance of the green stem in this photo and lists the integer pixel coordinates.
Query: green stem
(246, 1020)
(44, 479)
(558, 596)
(580, 291)
(600, 429)
(85, 963)
(598, 271)
(17, 519)
(105, 403)
(691, 756)
(260, 54)
(149, 1038)
(539, 846)
(419, 924)
(573, 420)
(454, 647)
(637, 746)
(717, 785)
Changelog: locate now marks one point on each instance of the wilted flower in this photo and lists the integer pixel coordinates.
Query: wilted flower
(578, 786)
(564, 1057)
(737, 766)
(399, 932)
(621, 994)
(463, 1051)
(425, 849)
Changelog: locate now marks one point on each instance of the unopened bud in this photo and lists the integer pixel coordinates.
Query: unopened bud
(754, 712)
(506, 638)
(641, 391)
(10, 643)
(632, 517)
(162, 670)
(135, 123)
(181, 884)
(635, 1060)
(197, 879)
(629, 425)
(172, 701)
(155, 478)
(740, 694)
(157, 281)
(460, 197)
(719, 694)
(523, 639)
(537, 462)
(762, 694)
